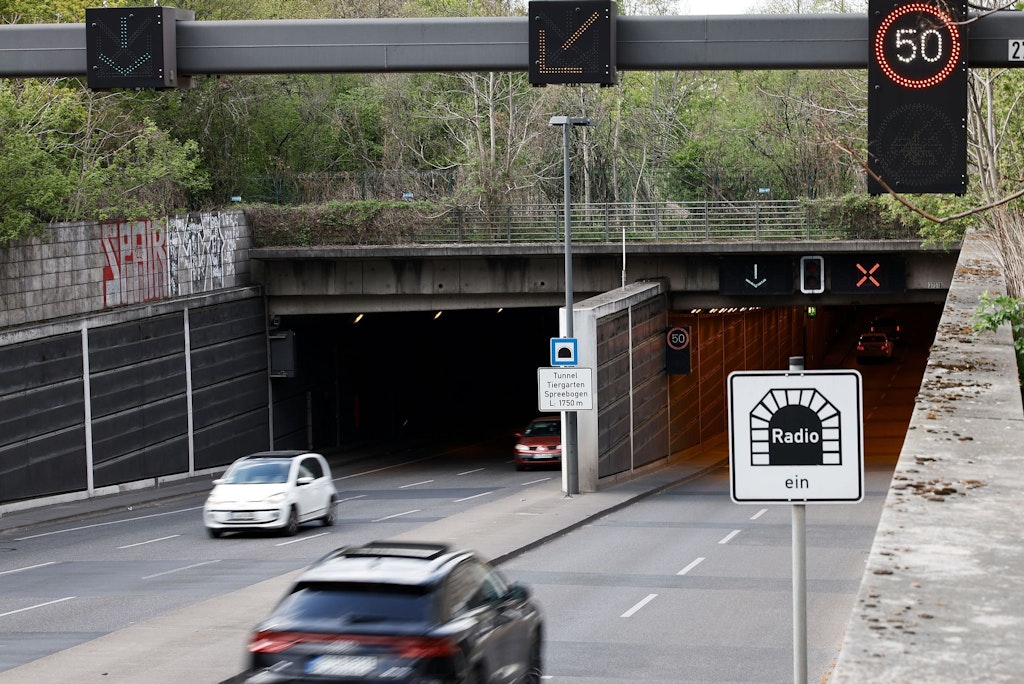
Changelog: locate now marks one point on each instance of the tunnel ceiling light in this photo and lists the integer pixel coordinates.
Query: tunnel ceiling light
(438, 315)
(358, 318)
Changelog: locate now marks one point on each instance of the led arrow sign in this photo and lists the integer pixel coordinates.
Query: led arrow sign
(133, 47)
(755, 275)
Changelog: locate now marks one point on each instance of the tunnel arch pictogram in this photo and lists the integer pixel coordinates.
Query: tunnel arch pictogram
(795, 427)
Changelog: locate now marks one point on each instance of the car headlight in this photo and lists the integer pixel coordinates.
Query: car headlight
(275, 499)
(218, 500)
(522, 447)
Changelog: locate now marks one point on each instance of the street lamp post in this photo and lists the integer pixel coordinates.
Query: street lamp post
(569, 449)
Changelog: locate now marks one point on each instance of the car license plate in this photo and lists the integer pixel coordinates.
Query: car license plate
(242, 515)
(341, 666)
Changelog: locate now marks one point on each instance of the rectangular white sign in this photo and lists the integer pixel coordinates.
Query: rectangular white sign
(565, 389)
(796, 436)
(1016, 49)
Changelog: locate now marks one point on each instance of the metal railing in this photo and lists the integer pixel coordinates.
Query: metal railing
(642, 222)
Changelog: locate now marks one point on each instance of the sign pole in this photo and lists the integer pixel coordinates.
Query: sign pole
(799, 541)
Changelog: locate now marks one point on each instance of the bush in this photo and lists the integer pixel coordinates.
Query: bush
(368, 222)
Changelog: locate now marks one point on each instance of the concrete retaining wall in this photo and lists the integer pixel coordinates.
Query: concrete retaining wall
(942, 599)
(78, 269)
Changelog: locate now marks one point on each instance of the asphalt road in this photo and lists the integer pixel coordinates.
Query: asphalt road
(683, 587)
(69, 583)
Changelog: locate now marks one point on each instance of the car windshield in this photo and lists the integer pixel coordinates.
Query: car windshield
(330, 605)
(543, 428)
(258, 472)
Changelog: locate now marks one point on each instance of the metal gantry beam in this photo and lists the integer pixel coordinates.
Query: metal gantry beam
(661, 43)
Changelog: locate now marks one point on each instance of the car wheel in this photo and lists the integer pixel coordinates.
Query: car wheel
(331, 516)
(214, 533)
(292, 526)
(535, 666)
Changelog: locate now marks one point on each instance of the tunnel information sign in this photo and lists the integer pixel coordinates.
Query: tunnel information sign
(796, 436)
(565, 389)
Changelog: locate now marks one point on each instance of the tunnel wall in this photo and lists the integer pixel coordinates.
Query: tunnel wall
(642, 415)
(752, 339)
(620, 337)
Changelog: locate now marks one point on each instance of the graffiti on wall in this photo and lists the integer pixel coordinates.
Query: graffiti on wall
(195, 253)
(136, 269)
(151, 260)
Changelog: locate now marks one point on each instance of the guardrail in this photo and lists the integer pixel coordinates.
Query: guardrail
(645, 222)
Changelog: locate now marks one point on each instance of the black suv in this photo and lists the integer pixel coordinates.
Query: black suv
(399, 612)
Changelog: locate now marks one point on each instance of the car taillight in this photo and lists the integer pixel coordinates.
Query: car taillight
(275, 642)
(270, 641)
(425, 647)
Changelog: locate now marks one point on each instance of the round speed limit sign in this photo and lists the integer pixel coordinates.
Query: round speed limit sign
(678, 338)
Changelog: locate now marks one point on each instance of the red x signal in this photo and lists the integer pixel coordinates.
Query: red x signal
(868, 275)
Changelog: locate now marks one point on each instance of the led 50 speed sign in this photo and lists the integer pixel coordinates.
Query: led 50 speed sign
(917, 97)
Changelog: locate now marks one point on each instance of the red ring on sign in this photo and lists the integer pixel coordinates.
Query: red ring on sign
(679, 347)
(954, 52)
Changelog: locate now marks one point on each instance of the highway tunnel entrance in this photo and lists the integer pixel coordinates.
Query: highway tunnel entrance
(465, 373)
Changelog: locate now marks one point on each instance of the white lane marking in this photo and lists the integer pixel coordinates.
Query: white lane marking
(475, 496)
(38, 605)
(470, 472)
(759, 514)
(728, 538)
(302, 539)
(415, 484)
(352, 498)
(691, 566)
(638, 606)
(377, 470)
(150, 541)
(187, 567)
(544, 479)
(27, 567)
(111, 522)
(396, 515)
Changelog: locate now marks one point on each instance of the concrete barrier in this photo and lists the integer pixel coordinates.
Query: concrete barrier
(942, 598)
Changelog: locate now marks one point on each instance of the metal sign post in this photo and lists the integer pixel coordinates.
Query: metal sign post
(799, 543)
(796, 437)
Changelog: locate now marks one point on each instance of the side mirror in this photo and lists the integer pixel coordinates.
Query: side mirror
(302, 481)
(218, 481)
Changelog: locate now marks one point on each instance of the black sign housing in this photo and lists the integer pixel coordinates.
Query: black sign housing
(133, 47)
(917, 96)
(572, 42)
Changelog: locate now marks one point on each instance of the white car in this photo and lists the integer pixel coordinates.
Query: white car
(271, 490)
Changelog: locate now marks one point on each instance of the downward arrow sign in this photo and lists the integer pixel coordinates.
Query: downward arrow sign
(758, 283)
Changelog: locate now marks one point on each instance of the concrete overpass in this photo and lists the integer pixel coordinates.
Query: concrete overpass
(359, 279)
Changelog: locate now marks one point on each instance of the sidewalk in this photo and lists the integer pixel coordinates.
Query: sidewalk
(205, 643)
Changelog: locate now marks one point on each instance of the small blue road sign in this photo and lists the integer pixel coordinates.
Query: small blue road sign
(563, 351)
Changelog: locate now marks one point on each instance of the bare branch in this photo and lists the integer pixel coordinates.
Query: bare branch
(917, 210)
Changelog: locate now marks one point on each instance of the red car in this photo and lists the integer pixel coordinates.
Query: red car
(540, 443)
